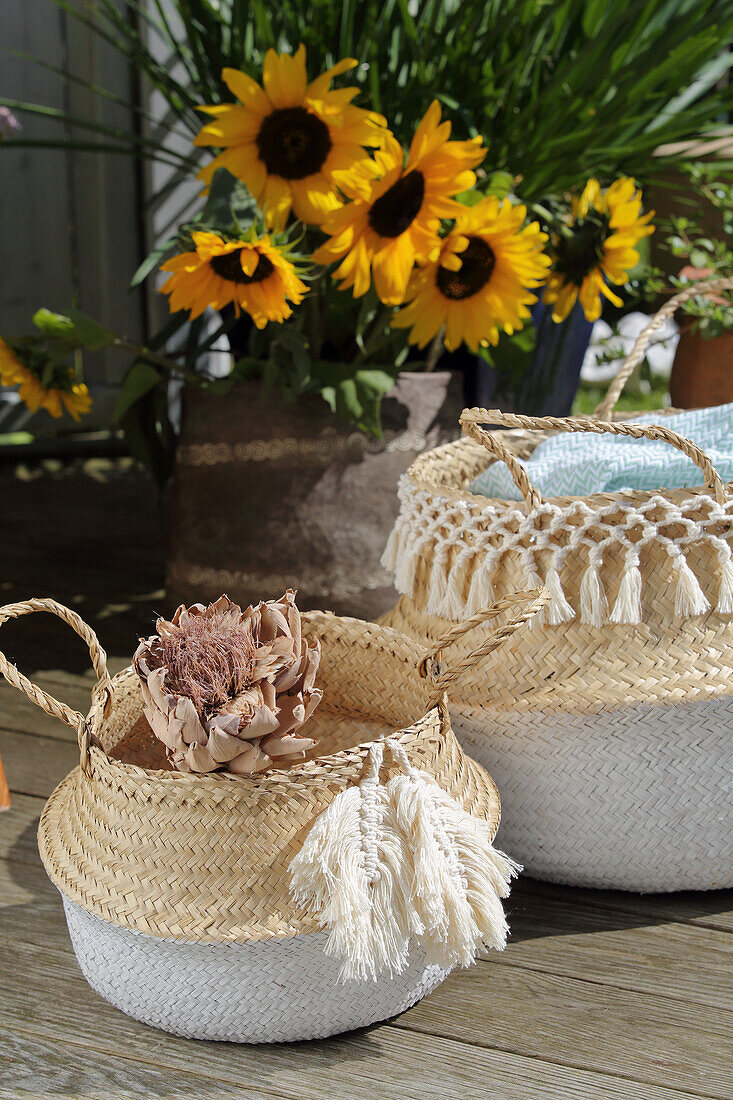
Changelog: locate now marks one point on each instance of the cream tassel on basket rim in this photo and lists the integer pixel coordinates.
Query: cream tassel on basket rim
(385, 865)
(558, 610)
(350, 873)
(627, 608)
(689, 597)
(725, 589)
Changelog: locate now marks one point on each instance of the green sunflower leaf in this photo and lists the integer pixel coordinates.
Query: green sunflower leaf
(55, 324)
(89, 332)
(139, 381)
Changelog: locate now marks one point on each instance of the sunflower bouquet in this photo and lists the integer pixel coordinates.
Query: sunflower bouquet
(332, 256)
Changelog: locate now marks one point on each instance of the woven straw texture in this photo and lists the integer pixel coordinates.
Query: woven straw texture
(276, 990)
(616, 703)
(177, 888)
(206, 858)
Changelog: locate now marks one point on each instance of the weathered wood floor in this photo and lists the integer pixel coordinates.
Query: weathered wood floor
(599, 995)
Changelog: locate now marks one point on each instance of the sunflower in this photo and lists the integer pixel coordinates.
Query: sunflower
(598, 248)
(65, 392)
(255, 276)
(394, 219)
(292, 143)
(478, 284)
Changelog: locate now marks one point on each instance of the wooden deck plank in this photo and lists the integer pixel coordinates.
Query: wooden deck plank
(708, 908)
(19, 714)
(18, 827)
(583, 1025)
(520, 1013)
(35, 1068)
(374, 1065)
(579, 1025)
(64, 1045)
(34, 765)
(625, 950)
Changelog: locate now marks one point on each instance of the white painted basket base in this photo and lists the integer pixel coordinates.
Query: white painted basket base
(636, 799)
(275, 990)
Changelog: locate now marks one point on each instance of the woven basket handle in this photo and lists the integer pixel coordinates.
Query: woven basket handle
(47, 702)
(471, 420)
(530, 603)
(706, 287)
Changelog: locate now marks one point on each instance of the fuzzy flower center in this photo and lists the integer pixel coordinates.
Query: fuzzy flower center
(582, 250)
(478, 263)
(293, 143)
(395, 211)
(229, 267)
(209, 658)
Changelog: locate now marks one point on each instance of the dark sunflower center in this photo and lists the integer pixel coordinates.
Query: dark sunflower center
(581, 251)
(397, 208)
(229, 267)
(478, 264)
(293, 143)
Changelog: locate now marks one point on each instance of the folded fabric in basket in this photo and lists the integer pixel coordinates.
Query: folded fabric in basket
(578, 464)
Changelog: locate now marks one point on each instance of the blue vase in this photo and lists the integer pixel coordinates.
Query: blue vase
(546, 384)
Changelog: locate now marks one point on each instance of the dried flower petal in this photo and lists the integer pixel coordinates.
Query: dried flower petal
(226, 688)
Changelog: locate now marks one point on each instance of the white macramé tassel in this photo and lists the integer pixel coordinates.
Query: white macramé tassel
(383, 866)
(390, 555)
(725, 589)
(459, 878)
(438, 584)
(404, 577)
(351, 874)
(453, 605)
(689, 598)
(533, 580)
(627, 608)
(558, 609)
(481, 591)
(593, 601)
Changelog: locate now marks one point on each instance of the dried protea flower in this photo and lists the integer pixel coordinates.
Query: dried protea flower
(229, 689)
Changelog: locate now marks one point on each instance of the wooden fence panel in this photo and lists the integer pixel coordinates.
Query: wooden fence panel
(71, 224)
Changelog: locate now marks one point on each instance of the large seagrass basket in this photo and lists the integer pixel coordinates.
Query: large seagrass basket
(609, 724)
(224, 907)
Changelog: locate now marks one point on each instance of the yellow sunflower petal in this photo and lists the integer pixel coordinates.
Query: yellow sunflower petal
(247, 90)
(284, 78)
(318, 87)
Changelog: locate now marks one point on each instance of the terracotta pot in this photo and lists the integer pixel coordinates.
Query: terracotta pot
(268, 496)
(702, 372)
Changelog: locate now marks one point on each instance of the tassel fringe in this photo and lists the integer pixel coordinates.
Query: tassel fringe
(453, 605)
(382, 866)
(405, 566)
(558, 609)
(481, 592)
(627, 608)
(725, 589)
(391, 553)
(533, 580)
(689, 597)
(437, 587)
(350, 873)
(593, 601)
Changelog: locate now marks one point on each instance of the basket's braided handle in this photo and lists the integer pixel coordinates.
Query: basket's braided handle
(706, 287)
(472, 418)
(471, 425)
(530, 603)
(35, 694)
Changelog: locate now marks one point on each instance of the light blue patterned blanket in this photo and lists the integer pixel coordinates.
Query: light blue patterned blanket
(579, 464)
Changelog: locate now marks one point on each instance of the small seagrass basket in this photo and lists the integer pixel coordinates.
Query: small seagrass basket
(609, 724)
(299, 902)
